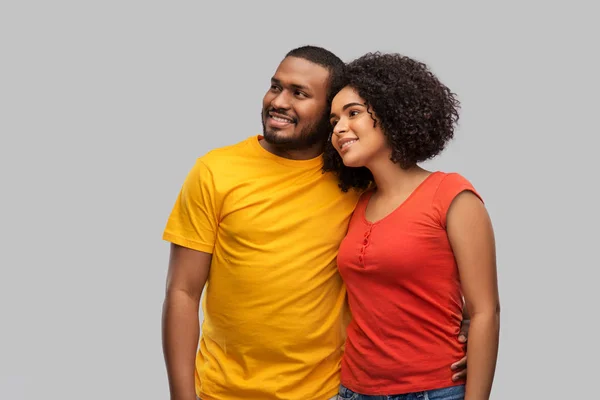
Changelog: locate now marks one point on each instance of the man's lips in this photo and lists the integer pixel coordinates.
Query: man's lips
(281, 117)
(279, 121)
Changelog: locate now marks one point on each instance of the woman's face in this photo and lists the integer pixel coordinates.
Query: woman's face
(355, 137)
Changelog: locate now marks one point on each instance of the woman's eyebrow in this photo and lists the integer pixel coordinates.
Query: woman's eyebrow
(345, 107)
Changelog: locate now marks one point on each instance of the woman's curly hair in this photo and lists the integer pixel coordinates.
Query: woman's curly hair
(416, 111)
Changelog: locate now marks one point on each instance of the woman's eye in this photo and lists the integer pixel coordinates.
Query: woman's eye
(352, 113)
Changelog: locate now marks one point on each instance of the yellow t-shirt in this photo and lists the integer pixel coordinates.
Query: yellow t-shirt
(274, 306)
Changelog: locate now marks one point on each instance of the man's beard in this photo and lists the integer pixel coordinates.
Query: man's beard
(307, 138)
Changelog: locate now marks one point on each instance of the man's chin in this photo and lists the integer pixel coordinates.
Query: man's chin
(278, 137)
(291, 139)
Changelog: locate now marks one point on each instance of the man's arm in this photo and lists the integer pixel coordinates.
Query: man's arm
(188, 272)
(472, 238)
(460, 367)
(464, 328)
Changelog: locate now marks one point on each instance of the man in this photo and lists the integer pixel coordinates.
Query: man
(262, 224)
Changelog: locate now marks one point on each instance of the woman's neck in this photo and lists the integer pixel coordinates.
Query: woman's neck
(391, 180)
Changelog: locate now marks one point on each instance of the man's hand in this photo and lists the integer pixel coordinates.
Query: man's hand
(460, 367)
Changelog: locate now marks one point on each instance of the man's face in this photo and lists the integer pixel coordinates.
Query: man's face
(295, 112)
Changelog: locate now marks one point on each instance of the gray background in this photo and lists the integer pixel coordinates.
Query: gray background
(105, 105)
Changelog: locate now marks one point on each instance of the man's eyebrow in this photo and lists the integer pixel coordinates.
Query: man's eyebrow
(345, 107)
(293, 85)
(301, 87)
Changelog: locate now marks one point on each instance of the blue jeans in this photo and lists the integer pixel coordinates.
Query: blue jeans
(448, 393)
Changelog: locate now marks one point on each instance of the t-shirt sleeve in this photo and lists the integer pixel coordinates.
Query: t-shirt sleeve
(194, 219)
(451, 186)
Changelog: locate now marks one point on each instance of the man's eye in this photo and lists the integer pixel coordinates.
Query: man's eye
(274, 87)
(301, 94)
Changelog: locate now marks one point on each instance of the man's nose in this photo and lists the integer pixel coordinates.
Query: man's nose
(281, 101)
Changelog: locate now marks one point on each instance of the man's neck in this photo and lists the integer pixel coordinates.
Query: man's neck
(300, 154)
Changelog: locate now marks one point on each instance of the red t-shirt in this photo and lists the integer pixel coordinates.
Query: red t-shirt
(404, 293)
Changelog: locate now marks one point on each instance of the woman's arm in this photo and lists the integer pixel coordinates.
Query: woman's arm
(472, 239)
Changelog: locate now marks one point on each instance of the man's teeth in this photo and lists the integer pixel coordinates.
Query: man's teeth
(281, 119)
(348, 143)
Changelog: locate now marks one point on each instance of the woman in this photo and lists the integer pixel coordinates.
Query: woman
(417, 243)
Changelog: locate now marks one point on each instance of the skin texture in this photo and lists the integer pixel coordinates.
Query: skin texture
(187, 275)
(361, 143)
(472, 238)
(294, 110)
(353, 127)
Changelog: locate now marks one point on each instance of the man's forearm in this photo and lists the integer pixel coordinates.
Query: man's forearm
(180, 332)
(482, 353)
(465, 313)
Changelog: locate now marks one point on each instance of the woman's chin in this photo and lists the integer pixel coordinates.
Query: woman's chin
(352, 162)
